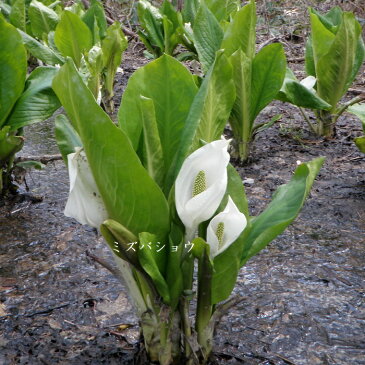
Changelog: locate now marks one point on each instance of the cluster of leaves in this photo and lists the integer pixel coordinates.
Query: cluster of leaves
(162, 118)
(23, 100)
(52, 33)
(334, 54)
(205, 27)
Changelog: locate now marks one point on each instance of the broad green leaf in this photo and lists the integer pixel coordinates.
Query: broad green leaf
(283, 209)
(208, 36)
(268, 72)
(226, 268)
(330, 20)
(213, 100)
(321, 38)
(130, 196)
(153, 154)
(17, 15)
(13, 68)
(95, 17)
(151, 21)
(42, 19)
(241, 33)
(218, 102)
(113, 46)
(294, 92)
(359, 58)
(148, 260)
(359, 110)
(335, 69)
(189, 10)
(172, 88)
(310, 67)
(240, 115)
(66, 137)
(38, 101)
(40, 51)
(227, 264)
(72, 36)
(222, 8)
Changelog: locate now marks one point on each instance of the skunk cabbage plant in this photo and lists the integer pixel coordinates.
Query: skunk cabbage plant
(334, 54)
(171, 199)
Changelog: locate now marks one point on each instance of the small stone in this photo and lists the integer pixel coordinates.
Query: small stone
(248, 181)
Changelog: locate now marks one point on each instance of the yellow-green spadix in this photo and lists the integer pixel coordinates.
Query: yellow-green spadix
(225, 228)
(201, 184)
(84, 201)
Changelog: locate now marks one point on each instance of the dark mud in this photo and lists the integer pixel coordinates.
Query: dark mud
(304, 294)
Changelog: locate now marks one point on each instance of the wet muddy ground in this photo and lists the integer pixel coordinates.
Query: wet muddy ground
(305, 293)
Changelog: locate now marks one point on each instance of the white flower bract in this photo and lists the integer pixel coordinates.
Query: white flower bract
(225, 228)
(204, 169)
(84, 201)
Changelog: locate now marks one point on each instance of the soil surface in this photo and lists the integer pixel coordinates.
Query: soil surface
(305, 293)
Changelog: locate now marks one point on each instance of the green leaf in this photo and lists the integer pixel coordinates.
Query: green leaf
(17, 15)
(130, 196)
(153, 154)
(9, 145)
(227, 264)
(283, 209)
(268, 72)
(222, 8)
(240, 115)
(211, 107)
(72, 36)
(241, 33)
(295, 93)
(148, 260)
(42, 19)
(189, 10)
(95, 16)
(38, 101)
(151, 21)
(335, 69)
(360, 143)
(172, 88)
(40, 51)
(113, 46)
(359, 111)
(31, 165)
(123, 242)
(13, 68)
(218, 102)
(321, 38)
(310, 67)
(66, 137)
(208, 36)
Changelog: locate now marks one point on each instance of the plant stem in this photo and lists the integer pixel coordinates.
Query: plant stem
(343, 108)
(204, 306)
(311, 126)
(186, 328)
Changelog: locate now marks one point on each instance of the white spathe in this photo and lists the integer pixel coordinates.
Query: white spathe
(309, 83)
(210, 160)
(84, 201)
(230, 223)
